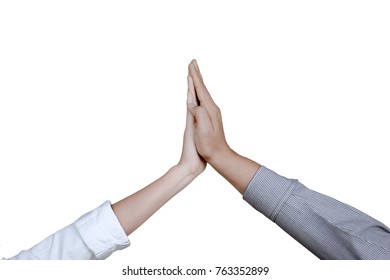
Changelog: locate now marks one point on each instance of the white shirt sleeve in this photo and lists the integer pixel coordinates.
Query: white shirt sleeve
(94, 236)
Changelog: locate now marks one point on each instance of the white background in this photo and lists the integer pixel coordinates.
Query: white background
(92, 107)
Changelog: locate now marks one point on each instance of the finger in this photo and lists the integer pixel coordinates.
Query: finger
(200, 88)
(191, 110)
(191, 88)
(190, 118)
(206, 100)
(194, 72)
(191, 95)
(197, 68)
(195, 63)
(191, 102)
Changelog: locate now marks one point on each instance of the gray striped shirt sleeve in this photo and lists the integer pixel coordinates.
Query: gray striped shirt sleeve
(328, 228)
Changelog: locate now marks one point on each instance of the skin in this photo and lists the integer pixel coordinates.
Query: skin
(210, 138)
(135, 209)
(204, 141)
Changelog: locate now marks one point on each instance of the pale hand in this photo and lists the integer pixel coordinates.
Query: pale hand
(190, 159)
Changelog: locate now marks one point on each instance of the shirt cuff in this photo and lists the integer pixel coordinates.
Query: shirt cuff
(102, 232)
(268, 191)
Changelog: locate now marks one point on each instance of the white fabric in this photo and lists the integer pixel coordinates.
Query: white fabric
(94, 236)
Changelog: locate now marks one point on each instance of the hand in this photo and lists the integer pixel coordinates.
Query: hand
(209, 134)
(190, 158)
(210, 138)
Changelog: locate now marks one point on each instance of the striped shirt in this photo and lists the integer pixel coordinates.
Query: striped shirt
(327, 227)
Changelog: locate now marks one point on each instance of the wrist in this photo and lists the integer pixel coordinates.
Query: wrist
(186, 171)
(221, 156)
(238, 170)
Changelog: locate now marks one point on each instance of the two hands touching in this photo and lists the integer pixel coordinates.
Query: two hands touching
(328, 228)
(203, 142)
(204, 137)
(97, 234)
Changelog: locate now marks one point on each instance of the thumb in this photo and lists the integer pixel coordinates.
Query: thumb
(202, 118)
(191, 96)
(191, 109)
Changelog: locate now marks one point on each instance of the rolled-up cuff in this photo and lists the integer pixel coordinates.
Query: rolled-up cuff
(268, 191)
(102, 232)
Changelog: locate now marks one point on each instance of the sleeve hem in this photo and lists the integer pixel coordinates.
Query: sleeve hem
(102, 232)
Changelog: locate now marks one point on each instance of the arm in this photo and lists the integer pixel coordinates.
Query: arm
(138, 207)
(328, 228)
(95, 235)
(99, 233)
(135, 209)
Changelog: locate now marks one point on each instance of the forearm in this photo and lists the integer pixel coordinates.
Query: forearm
(135, 209)
(236, 169)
